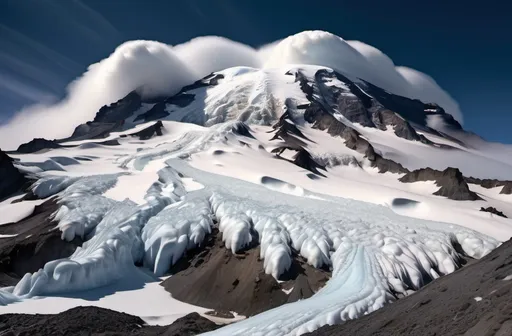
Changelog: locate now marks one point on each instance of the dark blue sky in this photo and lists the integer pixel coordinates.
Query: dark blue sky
(465, 47)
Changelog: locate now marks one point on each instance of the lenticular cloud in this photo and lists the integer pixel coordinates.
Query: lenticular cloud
(360, 60)
(155, 68)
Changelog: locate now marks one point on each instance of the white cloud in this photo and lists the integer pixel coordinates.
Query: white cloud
(360, 60)
(156, 68)
(207, 54)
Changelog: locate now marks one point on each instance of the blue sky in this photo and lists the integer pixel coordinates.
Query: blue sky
(466, 48)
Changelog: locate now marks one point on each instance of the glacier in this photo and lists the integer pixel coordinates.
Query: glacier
(224, 176)
(375, 255)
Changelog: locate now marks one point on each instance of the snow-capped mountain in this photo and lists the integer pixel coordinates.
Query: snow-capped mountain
(305, 192)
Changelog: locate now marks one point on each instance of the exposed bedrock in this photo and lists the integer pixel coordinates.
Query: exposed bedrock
(302, 158)
(150, 131)
(349, 100)
(37, 241)
(475, 300)
(452, 182)
(286, 130)
(494, 211)
(99, 321)
(11, 179)
(36, 145)
(492, 183)
(316, 115)
(215, 278)
(383, 118)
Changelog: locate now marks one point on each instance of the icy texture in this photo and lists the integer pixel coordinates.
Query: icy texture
(375, 255)
(113, 249)
(188, 144)
(174, 230)
(246, 96)
(82, 206)
(51, 185)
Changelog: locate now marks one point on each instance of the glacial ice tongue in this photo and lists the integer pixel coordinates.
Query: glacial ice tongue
(374, 254)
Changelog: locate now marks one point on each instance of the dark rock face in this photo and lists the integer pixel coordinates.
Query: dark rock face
(447, 306)
(493, 211)
(384, 165)
(120, 110)
(349, 100)
(286, 130)
(108, 119)
(452, 182)
(454, 187)
(37, 242)
(188, 325)
(241, 128)
(401, 127)
(149, 132)
(93, 130)
(99, 321)
(301, 158)
(304, 160)
(215, 278)
(36, 145)
(158, 111)
(412, 110)
(488, 184)
(210, 80)
(11, 179)
(76, 321)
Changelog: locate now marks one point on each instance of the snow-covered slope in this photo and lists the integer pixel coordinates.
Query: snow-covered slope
(298, 160)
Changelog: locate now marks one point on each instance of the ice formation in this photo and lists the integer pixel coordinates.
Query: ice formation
(221, 174)
(375, 254)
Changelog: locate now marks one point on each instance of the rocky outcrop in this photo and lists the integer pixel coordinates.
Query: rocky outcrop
(215, 278)
(109, 118)
(322, 120)
(286, 130)
(383, 118)
(159, 110)
(188, 325)
(454, 187)
(382, 164)
(474, 300)
(150, 131)
(99, 321)
(120, 110)
(452, 182)
(493, 211)
(492, 183)
(301, 158)
(11, 179)
(37, 242)
(76, 321)
(93, 130)
(304, 160)
(413, 110)
(36, 145)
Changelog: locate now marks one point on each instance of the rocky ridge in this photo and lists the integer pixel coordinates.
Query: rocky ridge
(452, 182)
(12, 180)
